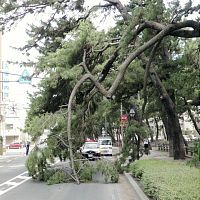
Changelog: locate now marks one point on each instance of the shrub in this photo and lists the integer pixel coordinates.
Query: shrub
(167, 180)
(57, 177)
(85, 174)
(37, 163)
(196, 157)
(108, 170)
(48, 173)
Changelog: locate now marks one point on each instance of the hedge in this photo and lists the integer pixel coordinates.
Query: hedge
(167, 180)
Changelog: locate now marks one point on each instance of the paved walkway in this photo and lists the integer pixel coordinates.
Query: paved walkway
(161, 155)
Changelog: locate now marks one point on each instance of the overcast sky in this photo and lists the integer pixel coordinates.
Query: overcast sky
(17, 37)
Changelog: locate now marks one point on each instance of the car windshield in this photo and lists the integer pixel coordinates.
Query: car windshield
(90, 146)
(105, 142)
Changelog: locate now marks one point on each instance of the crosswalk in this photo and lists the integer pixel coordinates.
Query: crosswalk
(14, 182)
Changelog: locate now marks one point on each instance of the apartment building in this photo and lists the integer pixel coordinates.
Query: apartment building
(13, 99)
(14, 102)
(186, 124)
(1, 116)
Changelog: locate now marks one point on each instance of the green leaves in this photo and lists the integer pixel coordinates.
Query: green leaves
(166, 180)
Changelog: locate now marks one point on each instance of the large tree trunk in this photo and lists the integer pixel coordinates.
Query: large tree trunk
(167, 125)
(178, 142)
(150, 130)
(173, 122)
(157, 129)
(192, 117)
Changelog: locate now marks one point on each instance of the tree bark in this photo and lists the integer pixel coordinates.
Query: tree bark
(157, 129)
(167, 125)
(150, 130)
(69, 114)
(173, 122)
(192, 117)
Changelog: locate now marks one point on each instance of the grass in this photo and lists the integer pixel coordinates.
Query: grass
(167, 180)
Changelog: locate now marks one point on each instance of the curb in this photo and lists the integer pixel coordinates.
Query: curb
(137, 190)
(11, 156)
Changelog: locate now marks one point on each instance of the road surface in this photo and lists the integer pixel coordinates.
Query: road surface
(17, 185)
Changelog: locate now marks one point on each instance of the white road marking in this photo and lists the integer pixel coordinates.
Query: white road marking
(14, 182)
(16, 166)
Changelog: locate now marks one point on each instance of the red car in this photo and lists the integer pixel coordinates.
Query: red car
(15, 145)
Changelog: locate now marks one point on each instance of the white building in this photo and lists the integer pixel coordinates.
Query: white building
(14, 103)
(186, 124)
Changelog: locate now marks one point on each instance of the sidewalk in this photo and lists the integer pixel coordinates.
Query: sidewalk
(13, 153)
(157, 154)
(154, 154)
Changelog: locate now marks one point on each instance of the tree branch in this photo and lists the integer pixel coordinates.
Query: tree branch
(166, 31)
(121, 8)
(148, 66)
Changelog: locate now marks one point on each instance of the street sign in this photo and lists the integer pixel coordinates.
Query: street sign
(124, 118)
(25, 77)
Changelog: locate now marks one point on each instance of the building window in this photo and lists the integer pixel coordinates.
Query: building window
(6, 87)
(9, 126)
(5, 95)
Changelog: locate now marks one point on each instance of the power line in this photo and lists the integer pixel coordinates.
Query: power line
(10, 73)
(8, 81)
(17, 74)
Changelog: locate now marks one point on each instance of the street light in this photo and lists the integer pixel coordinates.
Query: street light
(103, 132)
(132, 112)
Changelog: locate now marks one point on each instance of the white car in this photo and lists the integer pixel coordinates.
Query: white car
(105, 145)
(90, 150)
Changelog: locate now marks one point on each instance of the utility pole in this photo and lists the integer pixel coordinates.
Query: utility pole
(105, 124)
(121, 125)
(1, 118)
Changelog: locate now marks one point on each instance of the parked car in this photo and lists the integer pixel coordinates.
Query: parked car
(90, 150)
(105, 145)
(16, 145)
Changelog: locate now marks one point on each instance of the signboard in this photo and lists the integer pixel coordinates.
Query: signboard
(123, 120)
(25, 77)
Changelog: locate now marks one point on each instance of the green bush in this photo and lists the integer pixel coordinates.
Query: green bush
(137, 173)
(86, 173)
(167, 180)
(119, 167)
(37, 163)
(48, 173)
(195, 161)
(108, 170)
(57, 177)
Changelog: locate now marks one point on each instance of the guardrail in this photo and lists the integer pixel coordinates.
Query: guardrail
(163, 147)
(189, 152)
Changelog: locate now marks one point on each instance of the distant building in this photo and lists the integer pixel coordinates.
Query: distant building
(1, 115)
(13, 100)
(14, 103)
(186, 124)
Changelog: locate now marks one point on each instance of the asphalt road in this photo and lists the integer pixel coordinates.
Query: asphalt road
(11, 167)
(17, 185)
